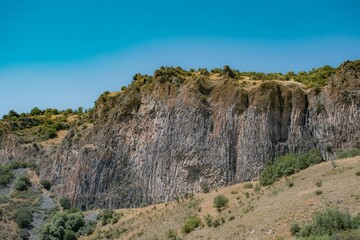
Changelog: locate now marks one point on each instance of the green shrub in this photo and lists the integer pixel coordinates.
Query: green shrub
(348, 153)
(216, 223)
(171, 234)
(61, 226)
(287, 165)
(69, 235)
(295, 228)
(23, 217)
(191, 223)
(329, 222)
(25, 179)
(205, 187)
(65, 203)
(220, 202)
(21, 185)
(46, 184)
(107, 216)
(5, 175)
(248, 185)
(208, 220)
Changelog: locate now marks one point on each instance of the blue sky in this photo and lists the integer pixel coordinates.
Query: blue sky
(65, 53)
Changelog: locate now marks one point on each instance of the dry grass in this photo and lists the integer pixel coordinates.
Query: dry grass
(265, 214)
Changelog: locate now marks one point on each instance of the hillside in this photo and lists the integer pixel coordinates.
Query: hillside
(265, 213)
(172, 132)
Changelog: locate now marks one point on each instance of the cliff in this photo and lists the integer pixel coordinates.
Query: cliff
(167, 134)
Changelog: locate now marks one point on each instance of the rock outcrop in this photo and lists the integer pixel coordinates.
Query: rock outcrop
(167, 134)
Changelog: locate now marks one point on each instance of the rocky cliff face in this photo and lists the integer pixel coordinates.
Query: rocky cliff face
(167, 134)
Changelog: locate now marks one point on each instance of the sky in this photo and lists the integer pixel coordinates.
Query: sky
(64, 54)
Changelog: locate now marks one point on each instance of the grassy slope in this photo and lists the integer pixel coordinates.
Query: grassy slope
(267, 214)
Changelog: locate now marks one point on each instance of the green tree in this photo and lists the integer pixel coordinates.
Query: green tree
(23, 217)
(65, 203)
(220, 202)
(35, 111)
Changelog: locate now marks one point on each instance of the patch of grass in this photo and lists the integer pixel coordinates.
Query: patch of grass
(288, 165)
(348, 153)
(248, 185)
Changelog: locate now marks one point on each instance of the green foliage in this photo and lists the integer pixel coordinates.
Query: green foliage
(64, 225)
(191, 223)
(205, 187)
(348, 153)
(220, 202)
(248, 185)
(287, 165)
(65, 203)
(315, 78)
(332, 222)
(23, 217)
(171, 234)
(209, 220)
(69, 235)
(25, 179)
(20, 185)
(294, 228)
(45, 183)
(5, 175)
(107, 216)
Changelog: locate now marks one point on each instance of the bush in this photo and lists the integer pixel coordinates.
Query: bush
(220, 202)
(108, 216)
(348, 153)
(25, 179)
(191, 223)
(248, 185)
(205, 187)
(69, 235)
(5, 175)
(208, 220)
(328, 222)
(287, 165)
(295, 228)
(63, 225)
(23, 217)
(65, 203)
(46, 184)
(20, 185)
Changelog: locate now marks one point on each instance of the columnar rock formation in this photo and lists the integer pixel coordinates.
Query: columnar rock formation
(165, 135)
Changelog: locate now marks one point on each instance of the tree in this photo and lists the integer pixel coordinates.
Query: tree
(35, 111)
(65, 202)
(23, 217)
(220, 202)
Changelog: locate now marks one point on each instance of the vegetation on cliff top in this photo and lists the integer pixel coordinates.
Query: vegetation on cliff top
(40, 125)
